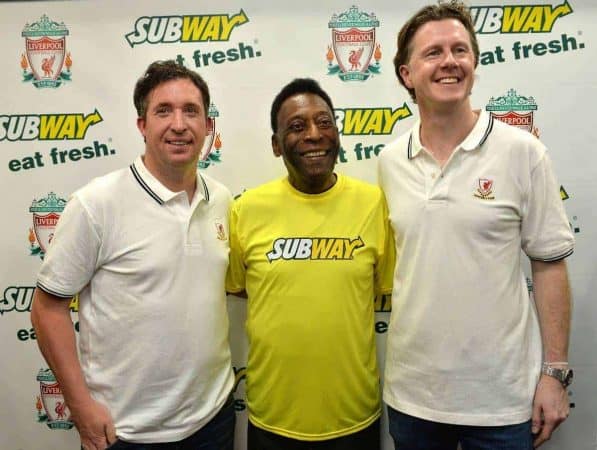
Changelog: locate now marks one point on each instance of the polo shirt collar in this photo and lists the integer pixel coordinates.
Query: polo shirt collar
(156, 190)
(476, 138)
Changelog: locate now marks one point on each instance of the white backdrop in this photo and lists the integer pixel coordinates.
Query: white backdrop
(67, 116)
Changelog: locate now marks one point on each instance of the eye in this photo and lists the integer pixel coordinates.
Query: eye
(324, 122)
(162, 110)
(296, 126)
(191, 110)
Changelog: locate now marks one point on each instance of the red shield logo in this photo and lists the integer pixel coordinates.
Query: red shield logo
(524, 121)
(485, 186)
(353, 48)
(46, 56)
(44, 225)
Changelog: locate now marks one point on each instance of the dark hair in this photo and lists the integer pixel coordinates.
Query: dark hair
(297, 86)
(454, 9)
(159, 72)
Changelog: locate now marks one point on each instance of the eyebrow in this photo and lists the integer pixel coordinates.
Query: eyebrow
(440, 44)
(304, 116)
(166, 103)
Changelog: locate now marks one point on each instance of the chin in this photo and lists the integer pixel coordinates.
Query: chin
(319, 176)
(182, 162)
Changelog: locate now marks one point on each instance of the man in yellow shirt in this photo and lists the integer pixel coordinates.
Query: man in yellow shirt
(310, 250)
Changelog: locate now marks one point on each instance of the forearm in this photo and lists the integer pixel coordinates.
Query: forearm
(50, 317)
(552, 298)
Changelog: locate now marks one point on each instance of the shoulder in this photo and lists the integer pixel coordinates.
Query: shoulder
(519, 144)
(106, 187)
(361, 187)
(263, 193)
(511, 135)
(396, 149)
(214, 189)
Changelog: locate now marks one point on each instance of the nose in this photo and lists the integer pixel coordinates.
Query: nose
(312, 131)
(178, 121)
(449, 59)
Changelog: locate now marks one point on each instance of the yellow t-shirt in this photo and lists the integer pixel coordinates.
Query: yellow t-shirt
(311, 266)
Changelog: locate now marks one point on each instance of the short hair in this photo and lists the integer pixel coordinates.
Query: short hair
(453, 9)
(159, 72)
(297, 86)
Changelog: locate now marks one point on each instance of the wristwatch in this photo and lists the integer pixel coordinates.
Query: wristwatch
(564, 376)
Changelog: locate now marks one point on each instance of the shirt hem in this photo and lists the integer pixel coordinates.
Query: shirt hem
(454, 418)
(171, 437)
(53, 292)
(316, 437)
(559, 257)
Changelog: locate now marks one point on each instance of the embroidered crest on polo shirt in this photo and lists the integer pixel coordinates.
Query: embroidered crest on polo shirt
(484, 191)
(220, 230)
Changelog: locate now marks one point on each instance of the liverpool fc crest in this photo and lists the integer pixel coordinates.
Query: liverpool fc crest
(55, 412)
(45, 46)
(46, 213)
(354, 46)
(514, 110)
(485, 189)
(211, 148)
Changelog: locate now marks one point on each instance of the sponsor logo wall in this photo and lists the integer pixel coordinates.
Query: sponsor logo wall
(67, 117)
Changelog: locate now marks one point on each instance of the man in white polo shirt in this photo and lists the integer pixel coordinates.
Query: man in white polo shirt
(146, 248)
(469, 359)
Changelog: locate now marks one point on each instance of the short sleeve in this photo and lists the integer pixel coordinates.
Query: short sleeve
(235, 277)
(545, 232)
(384, 269)
(72, 255)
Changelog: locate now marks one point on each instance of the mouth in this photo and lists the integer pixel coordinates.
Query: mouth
(448, 80)
(178, 142)
(315, 154)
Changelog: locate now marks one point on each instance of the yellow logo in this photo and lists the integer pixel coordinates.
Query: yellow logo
(46, 127)
(383, 303)
(198, 28)
(314, 248)
(518, 19)
(364, 121)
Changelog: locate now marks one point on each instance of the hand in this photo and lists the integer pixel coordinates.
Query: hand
(95, 425)
(550, 408)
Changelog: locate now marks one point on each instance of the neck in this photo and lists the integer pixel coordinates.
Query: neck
(176, 179)
(441, 131)
(315, 186)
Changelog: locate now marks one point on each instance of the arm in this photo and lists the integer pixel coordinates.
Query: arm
(50, 317)
(552, 297)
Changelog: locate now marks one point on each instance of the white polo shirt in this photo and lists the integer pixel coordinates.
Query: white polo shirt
(150, 270)
(463, 342)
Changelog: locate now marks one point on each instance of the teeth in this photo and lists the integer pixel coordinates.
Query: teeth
(450, 80)
(178, 143)
(314, 154)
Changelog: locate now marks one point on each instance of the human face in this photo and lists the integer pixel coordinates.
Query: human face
(307, 139)
(441, 65)
(174, 126)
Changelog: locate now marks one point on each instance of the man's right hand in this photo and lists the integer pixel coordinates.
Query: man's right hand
(50, 316)
(95, 425)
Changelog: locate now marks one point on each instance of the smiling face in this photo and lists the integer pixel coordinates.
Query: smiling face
(308, 141)
(174, 127)
(441, 65)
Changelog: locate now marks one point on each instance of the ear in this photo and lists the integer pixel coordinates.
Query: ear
(405, 75)
(276, 146)
(209, 124)
(141, 125)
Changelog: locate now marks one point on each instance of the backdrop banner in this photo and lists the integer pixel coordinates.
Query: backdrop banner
(67, 116)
